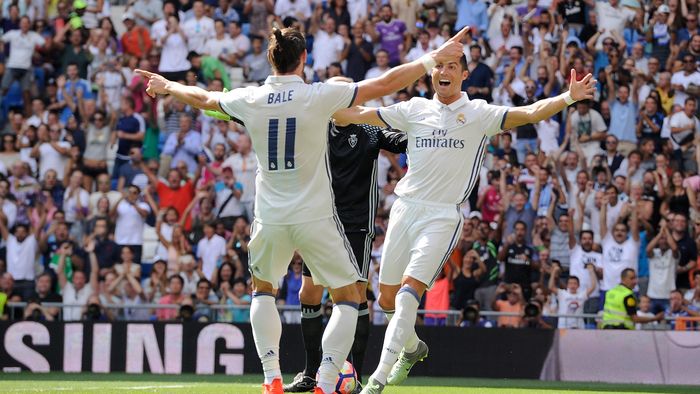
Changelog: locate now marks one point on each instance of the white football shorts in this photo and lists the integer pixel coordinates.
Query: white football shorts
(419, 240)
(321, 243)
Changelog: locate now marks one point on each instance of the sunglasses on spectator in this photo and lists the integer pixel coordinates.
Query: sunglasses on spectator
(689, 61)
(607, 43)
(611, 142)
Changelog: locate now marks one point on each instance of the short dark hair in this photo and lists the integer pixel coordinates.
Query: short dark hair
(285, 49)
(178, 277)
(574, 277)
(587, 232)
(625, 272)
(520, 222)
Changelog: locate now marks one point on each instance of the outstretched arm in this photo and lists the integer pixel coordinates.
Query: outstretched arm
(402, 76)
(190, 95)
(544, 109)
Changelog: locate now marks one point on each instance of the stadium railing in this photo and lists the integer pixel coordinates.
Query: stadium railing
(452, 317)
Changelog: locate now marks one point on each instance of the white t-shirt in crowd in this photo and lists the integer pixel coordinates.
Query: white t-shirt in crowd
(617, 257)
(22, 47)
(50, 159)
(71, 296)
(327, 49)
(129, 225)
(244, 169)
(198, 31)
(662, 274)
(570, 304)
(21, 256)
(174, 56)
(680, 78)
(214, 47)
(210, 251)
(548, 133)
(70, 204)
(579, 259)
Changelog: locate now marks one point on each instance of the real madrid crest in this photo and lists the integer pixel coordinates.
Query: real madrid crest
(352, 140)
(461, 119)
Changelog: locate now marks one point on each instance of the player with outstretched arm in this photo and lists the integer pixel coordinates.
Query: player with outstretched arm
(287, 120)
(447, 137)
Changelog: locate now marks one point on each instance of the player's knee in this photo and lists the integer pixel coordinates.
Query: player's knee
(310, 294)
(261, 286)
(347, 293)
(387, 301)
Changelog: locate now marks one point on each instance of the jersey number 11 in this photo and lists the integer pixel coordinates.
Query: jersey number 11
(273, 142)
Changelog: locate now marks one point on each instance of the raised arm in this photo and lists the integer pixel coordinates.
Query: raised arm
(544, 109)
(634, 222)
(604, 217)
(594, 279)
(404, 75)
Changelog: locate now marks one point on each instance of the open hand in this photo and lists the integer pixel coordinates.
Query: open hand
(583, 89)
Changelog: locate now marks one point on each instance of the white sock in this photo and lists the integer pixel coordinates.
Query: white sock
(336, 344)
(400, 331)
(267, 330)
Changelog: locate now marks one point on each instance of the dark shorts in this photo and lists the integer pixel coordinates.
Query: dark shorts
(94, 172)
(361, 244)
(25, 78)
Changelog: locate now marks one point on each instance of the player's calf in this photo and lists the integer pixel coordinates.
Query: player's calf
(267, 330)
(338, 337)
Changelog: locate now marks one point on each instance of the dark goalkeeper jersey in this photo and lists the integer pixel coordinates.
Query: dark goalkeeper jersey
(353, 154)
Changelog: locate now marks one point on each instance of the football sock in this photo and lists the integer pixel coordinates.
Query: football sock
(361, 337)
(399, 332)
(267, 330)
(312, 331)
(337, 342)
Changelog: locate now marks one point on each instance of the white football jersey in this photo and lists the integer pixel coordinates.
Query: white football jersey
(446, 145)
(288, 123)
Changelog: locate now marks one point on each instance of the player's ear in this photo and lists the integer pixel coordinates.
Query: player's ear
(465, 74)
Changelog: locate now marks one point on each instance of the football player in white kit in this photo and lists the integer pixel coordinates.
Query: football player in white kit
(287, 120)
(446, 140)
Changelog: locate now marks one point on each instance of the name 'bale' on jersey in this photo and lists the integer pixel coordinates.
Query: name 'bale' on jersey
(287, 120)
(446, 145)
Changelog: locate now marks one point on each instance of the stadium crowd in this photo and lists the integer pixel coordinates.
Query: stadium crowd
(111, 197)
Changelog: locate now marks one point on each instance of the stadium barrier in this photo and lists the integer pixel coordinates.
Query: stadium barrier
(616, 356)
(174, 348)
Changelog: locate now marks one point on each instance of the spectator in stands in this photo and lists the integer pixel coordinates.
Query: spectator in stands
(52, 154)
(203, 298)
(692, 296)
(190, 273)
(509, 298)
(663, 255)
(79, 289)
(199, 28)
(21, 252)
(106, 250)
(130, 132)
(255, 65)
(130, 217)
(466, 279)
(518, 258)
(23, 45)
(184, 145)
(392, 35)
(678, 308)
(289, 291)
(146, 12)
(173, 192)
(45, 293)
(571, 300)
(131, 173)
(236, 296)
(156, 285)
(174, 296)
(687, 248)
(471, 317)
(210, 250)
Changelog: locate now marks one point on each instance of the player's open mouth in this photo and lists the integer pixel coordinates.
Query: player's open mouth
(444, 82)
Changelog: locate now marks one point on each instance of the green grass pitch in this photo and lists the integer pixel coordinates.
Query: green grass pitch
(249, 384)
